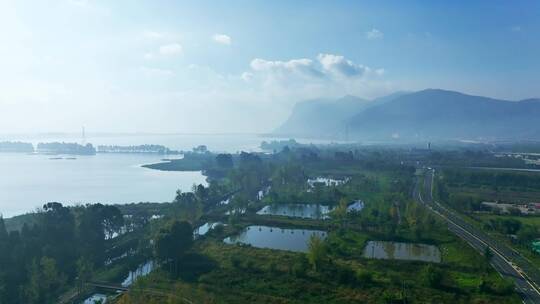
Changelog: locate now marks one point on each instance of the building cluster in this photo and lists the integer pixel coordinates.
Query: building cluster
(521, 208)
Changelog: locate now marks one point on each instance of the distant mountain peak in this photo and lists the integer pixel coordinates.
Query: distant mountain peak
(444, 114)
(427, 114)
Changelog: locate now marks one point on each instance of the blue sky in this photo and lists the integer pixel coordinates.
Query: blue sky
(239, 66)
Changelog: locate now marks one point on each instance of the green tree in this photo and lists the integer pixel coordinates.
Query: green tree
(85, 271)
(112, 220)
(188, 207)
(45, 282)
(300, 266)
(4, 254)
(527, 233)
(3, 230)
(58, 237)
(96, 223)
(317, 252)
(364, 277)
(340, 212)
(224, 160)
(172, 241)
(431, 276)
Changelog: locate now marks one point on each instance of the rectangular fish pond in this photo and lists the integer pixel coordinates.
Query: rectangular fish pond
(313, 211)
(402, 251)
(275, 238)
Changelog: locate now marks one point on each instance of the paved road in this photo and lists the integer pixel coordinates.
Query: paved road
(502, 254)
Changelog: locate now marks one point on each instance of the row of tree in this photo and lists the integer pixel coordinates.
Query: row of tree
(40, 261)
(493, 179)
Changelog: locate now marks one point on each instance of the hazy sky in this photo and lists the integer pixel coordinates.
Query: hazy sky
(239, 66)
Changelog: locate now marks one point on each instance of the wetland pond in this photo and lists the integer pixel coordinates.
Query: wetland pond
(96, 298)
(141, 271)
(275, 238)
(402, 251)
(202, 230)
(313, 211)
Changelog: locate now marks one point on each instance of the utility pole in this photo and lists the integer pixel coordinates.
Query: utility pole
(83, 141)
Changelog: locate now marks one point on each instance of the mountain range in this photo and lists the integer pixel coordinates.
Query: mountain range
(431, 114)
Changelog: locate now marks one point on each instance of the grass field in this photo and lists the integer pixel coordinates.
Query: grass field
(525, 220)
(215, 272)
(505, 195)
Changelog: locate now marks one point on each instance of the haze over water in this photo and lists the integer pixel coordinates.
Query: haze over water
(33, 180)
(29, 181)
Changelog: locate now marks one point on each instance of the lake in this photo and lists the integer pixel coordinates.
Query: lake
(402, 251)
(215, 142)
(312, 211)
(141, 271)
(29, 181)
(275, 238)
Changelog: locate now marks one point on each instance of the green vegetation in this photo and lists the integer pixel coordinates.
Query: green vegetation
(492, 185)
(40, 261)
(464, 190)
(203, 269)
(334, 270)
(190, 162)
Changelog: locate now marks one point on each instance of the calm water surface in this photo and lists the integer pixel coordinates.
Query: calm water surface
(29, 181)
(96, 298)
(215, 142)
(402, 251)
(275, 238)
(141, 271)
(313, 211)
(203, 229)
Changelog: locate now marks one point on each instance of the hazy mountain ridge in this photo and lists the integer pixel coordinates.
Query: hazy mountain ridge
(327, 117)
(322, 117)
(440, 114)
(427, 114)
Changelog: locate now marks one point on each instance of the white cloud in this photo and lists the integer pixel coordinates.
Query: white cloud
(327, 75)
(247, 76)
(301, 67)
(327, 66)
(222, 38)
(339, 65)
(374, 34)
(170, 49)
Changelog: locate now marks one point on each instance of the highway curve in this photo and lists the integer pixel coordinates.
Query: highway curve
(502, 255)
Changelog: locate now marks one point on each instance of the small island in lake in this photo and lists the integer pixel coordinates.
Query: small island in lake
(66, 148)
(213, 165)
(154, 149)
(16, 146)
